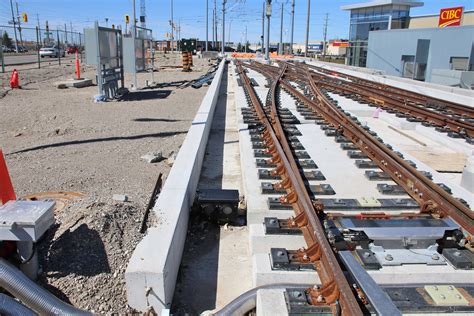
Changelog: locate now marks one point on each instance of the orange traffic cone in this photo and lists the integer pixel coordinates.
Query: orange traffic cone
(78, 67)
(6, 188)
(14, 81)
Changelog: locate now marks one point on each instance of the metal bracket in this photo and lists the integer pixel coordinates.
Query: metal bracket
(275, 226)
(288, 260)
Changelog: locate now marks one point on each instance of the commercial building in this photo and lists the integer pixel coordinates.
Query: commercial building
(440, 55)
(374, 16)
(435, 48)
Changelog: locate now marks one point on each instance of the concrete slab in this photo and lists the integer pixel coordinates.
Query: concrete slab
(263, 273)
(406, 274)
(271, 303)
(415, 130)
(262, 243)
(74, 83)
(152, 284)
(340, 171)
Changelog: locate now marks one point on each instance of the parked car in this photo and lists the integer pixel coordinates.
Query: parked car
(22, 49)
(52, 51)
(6, 49)
(72, 50)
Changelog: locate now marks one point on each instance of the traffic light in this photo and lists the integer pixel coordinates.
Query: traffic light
(127, 19)
(25, 17)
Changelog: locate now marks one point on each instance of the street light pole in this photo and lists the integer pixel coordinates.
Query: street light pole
(307, 30)
(14, 26)
(223, 27)
(263, 27)
(246, 38)
(172, 25)
(135, 82)
(280, 46)
(19, 23)
(269, 14)
(292, 25)
(207, 24)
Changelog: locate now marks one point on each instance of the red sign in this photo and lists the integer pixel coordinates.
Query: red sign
(340, 44)
(450, 17)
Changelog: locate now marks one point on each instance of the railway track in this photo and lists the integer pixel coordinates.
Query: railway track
(342, 294)
(454, 119)
(444, 106)
(335, 287)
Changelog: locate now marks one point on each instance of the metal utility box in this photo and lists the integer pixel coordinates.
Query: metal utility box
(104, 49)
(221, 205)
(133, 54)
(25, 220)
(188, 45)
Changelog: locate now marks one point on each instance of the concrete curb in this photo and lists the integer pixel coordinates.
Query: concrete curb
(153, 268)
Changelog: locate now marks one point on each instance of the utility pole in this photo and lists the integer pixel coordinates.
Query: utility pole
(307, 30)
(172, 25)
(207, 24)
(19, 23)
(246, 38)
(47, 32)
(65, 32)
(268, 14)
(230, 28)
(223, 27)
(134, 25)
(280, 46)
(325, 34)
(215, 25)
(72, 34)
(292, 25)
(213, 29)
(39, 29)
(14, 26)
(263, 27)
(143, 13)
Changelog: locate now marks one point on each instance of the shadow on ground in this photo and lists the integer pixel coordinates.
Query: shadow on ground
(150, 119)
(98, 140)
(80, 251)
(196, 286)
(146, 95)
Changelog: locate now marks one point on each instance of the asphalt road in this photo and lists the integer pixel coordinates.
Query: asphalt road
(22, 59)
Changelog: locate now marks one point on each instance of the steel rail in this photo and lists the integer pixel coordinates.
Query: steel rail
(439, 119)
(334, 284)
(431, 197)
(428, 195)
(416, 97)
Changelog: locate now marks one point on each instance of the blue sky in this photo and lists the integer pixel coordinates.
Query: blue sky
(191, 14)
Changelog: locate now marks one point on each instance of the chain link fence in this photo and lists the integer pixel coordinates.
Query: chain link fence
(37, 47)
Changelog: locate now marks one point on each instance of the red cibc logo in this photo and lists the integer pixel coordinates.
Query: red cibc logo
(450, 17)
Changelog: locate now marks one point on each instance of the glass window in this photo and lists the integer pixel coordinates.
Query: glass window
(377, 11)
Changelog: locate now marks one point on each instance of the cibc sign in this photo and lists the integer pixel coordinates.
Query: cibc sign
(450, 17)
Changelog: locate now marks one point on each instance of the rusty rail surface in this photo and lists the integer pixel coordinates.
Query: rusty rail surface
(430, 196)
(335, 288)
(437, 119)
(408, 96)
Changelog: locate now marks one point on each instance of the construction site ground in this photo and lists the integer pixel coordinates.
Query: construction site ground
(60, 140)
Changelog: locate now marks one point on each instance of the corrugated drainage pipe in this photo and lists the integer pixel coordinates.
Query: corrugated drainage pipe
(248, 300)
(31, 294)
(10, 307)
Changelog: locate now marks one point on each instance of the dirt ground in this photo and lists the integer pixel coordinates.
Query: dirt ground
(60, 140)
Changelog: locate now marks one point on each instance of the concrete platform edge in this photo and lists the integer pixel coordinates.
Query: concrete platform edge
(153, 268)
